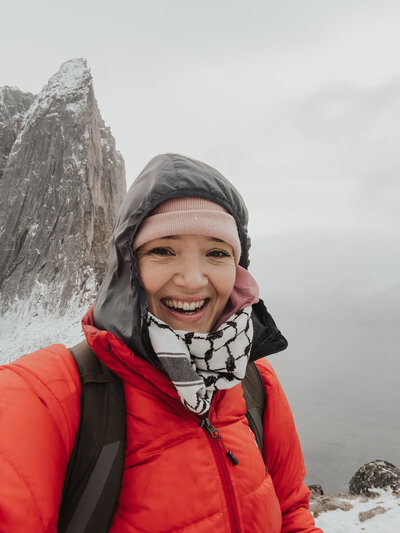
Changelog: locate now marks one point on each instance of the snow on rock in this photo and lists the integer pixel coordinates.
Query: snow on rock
(62, 183)
(13, 107)
(29, 324)
(71, 85)
(356, 514)
(23, 331)
(72, 76)
(376, 474)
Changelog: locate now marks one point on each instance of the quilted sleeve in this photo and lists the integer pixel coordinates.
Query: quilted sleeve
(284, 458)
(39, 417)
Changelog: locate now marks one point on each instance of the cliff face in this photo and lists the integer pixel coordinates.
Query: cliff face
(13, 106)
(62, 184)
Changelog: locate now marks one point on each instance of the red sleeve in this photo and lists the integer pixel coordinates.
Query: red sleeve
(284, 458)
(39, 417)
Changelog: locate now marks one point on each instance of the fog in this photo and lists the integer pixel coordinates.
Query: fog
(335, 296)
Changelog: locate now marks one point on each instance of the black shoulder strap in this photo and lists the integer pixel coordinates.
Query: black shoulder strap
(94, 473)
(255, 398)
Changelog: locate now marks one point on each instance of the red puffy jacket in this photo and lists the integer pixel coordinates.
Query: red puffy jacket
(176, 476)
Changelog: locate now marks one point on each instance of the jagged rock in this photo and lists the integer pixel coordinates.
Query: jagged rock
(315, 490)
(366, 515)
(62, 184)
(13, 106)
(322, 504)
(376, 474)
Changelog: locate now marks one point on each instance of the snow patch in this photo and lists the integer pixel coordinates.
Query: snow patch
(72, 75)
(28, 325)
(7, 88)
(386, 519)
(76, 108)
(22, 333)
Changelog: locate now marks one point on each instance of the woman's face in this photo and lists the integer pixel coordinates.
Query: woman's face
(188, 279)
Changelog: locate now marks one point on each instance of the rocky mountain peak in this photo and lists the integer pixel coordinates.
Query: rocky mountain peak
(73, 75)
(71, 85)
(62, 183)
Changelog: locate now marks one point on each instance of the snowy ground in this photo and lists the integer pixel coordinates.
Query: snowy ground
(23, 331)
(369, 515)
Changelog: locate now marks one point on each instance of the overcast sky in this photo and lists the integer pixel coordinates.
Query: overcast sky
(296, 102)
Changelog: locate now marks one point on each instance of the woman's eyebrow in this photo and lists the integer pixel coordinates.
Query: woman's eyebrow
(174, 237)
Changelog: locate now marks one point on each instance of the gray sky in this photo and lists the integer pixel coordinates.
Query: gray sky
(298, 104)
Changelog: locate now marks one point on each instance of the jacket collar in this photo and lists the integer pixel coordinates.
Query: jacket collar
(121, 360)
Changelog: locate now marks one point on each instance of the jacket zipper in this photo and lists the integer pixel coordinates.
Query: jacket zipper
(216, 446)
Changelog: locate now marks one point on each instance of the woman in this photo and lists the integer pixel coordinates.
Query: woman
(177, 319)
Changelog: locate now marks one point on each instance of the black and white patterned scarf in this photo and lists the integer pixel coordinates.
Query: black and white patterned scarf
(200, 363)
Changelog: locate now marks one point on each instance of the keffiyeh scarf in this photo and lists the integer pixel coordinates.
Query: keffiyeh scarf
(200, 363)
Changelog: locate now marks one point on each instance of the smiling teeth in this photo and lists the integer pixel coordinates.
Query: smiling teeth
(185, 306)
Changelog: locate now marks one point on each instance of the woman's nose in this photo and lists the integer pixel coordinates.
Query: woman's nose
(191, 275)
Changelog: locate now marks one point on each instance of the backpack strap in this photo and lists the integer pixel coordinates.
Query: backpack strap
(256, 399)
(94, 473)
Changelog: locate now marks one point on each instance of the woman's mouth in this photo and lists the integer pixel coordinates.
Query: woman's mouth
(183, 306)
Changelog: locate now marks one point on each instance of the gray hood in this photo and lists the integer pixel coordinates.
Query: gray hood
(121, 303)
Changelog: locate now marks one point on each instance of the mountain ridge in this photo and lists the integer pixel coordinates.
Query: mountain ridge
(62, 181)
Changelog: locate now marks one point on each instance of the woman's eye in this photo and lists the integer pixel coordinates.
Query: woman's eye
(218, 253)
(160, 251)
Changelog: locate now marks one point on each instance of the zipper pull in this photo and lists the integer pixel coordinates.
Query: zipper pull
(206, 424)
(215, 434)
(234, 460)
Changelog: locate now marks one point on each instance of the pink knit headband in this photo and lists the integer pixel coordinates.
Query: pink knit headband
(189, 216)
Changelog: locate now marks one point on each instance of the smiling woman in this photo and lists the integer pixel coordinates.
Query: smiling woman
(188, 279)
(177, 319)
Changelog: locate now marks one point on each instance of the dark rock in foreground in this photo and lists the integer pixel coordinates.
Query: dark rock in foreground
(376, 474)
(367, 515)
(61, 186)
(316, 490)
(321, 504)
